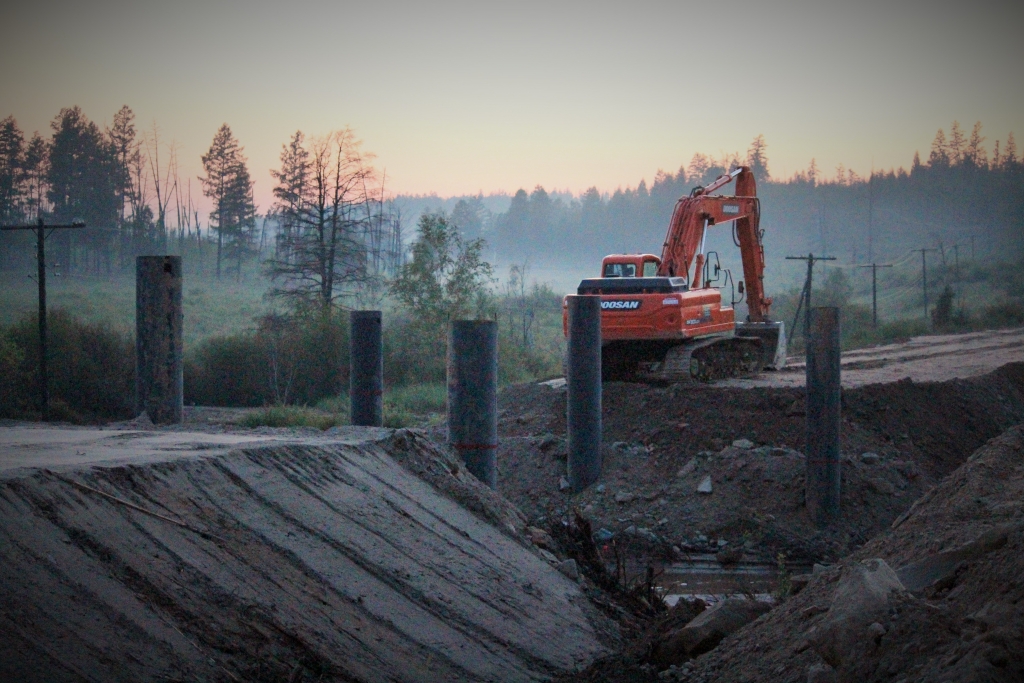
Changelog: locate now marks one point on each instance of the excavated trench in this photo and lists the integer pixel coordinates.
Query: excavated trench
(366, 556)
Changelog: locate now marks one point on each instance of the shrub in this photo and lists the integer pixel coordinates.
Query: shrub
(286, 360)
(14, 385)
(91, 369)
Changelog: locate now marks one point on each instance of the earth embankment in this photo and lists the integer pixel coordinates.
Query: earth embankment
(369, 556)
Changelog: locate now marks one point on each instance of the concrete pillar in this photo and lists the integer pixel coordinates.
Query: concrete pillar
(583, 378)
(158, 338)
(366, 364)
(473, 396)
(823, 415)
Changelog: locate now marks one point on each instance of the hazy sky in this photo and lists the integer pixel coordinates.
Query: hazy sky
(456, 97)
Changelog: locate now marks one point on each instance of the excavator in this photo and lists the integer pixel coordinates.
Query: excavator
(663, 320)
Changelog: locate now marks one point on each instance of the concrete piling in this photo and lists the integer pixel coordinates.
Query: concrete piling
(472, 396)
(366, 365)
(583, 378)
(823, 415)
(158, 338)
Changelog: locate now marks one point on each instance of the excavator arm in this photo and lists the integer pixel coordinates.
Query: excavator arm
(687, 232)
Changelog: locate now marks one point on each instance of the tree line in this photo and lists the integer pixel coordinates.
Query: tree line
(331, 232)
(961, 194)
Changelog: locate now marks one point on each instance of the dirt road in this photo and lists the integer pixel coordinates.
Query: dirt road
(933, 358)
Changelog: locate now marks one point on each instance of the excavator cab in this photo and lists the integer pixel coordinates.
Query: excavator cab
(630, 265)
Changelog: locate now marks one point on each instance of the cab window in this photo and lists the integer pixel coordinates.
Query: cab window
(650, 269)
(620, 270)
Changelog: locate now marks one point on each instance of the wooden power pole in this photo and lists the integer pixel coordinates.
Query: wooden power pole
(874, 289)
(805, 295)
(41, 235)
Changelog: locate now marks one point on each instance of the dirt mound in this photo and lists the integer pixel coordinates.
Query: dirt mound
(325, 559)
(662, 444)
(960, 557)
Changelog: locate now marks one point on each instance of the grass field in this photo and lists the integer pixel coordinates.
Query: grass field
(211, 308)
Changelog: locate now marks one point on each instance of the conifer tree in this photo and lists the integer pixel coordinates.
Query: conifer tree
(12, 152)
(757, 159)
(957, 144)
(975, 154)
(228, 184)
(939, 156)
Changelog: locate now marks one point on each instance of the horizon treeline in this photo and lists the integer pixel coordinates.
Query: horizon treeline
(124, 183)
(960, 195)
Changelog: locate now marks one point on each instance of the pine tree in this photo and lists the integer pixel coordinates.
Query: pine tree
(228, 184)
(757, 159)
(957, 144)
(1010, 153)
(975, 154)
(939, 156)
(12, 152)
(82, 184)
(997, 159)
(812, 172)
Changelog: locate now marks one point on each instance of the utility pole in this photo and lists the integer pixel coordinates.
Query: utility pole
(41, 235)
(924, 278)
(805, 295)
(874, 290)
(871, 215)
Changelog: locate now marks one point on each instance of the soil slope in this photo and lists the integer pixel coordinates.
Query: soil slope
(967, 626)
(898, 440)
(370, 558)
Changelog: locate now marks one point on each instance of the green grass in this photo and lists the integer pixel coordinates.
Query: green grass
(211, 307)
(293, 416)
(419, 399)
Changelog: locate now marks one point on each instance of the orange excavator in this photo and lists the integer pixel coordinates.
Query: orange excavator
(662, 319)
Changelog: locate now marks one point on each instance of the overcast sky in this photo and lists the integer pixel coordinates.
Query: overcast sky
(460, 97)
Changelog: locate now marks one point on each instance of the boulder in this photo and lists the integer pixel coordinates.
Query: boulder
(939, 571)
(847, 634)
(687, 468)
(705, 485)
(540, 538)
(706, 631)
(821, 673)
(570, 569)
(743, 444)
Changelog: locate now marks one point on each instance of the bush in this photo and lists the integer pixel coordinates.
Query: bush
(91, 369)
(286, 360)
(15, 385)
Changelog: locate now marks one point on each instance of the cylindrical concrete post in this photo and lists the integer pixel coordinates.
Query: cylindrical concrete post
(473, 396)
(366, 364)
(158, 338)
(583, 378)
(823, 415)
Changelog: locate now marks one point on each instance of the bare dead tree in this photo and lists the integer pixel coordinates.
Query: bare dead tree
(326, 197)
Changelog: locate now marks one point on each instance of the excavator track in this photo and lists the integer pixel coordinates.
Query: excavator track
(701, 360)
